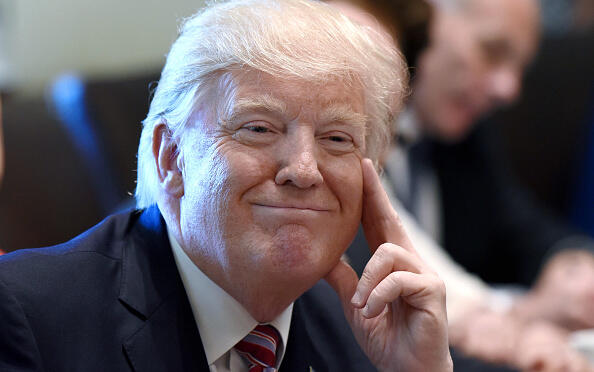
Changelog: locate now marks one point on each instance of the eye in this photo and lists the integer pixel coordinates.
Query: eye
(337, 139)
(256, 132)
(495, 51)
(256, 128)
(337, 142)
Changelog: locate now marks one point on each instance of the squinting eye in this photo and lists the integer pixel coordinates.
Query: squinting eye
(495, 51)
(256, 132)
(337, 139)
(257, 128)
(338, 143)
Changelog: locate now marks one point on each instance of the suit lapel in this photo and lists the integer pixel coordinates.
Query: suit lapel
(167, 338)
(168, 341)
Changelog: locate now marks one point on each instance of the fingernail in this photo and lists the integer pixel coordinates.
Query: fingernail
(365, 311)
(356, 300)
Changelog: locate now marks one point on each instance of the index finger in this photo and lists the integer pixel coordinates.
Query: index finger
(380, 221)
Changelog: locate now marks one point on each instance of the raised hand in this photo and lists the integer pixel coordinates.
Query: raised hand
(397, 310)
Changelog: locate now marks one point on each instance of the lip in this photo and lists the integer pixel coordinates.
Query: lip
(292, 206)
(277, 215)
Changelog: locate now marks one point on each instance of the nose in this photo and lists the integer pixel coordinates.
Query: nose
(298, 160)
(505, 85)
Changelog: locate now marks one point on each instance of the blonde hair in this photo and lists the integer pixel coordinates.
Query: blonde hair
(301, 39)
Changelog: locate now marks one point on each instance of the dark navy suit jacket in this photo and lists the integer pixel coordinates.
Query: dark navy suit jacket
(111, 299)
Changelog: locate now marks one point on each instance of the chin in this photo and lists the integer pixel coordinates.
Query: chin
(298, 253)
(452, 131)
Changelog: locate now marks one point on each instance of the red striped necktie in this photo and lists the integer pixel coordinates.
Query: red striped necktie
(259, 348)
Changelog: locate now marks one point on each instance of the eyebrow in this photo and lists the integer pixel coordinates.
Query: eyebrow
(344, 114)
(261, 103)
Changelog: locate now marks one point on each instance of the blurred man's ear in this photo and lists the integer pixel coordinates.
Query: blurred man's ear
(166, 155)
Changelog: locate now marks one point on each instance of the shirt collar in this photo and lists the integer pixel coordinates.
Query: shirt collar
(221, 320)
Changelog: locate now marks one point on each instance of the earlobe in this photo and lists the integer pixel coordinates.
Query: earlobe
(168, 161)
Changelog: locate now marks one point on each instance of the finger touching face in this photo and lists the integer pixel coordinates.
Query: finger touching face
(380, 221)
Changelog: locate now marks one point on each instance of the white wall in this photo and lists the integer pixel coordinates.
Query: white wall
(43, 38)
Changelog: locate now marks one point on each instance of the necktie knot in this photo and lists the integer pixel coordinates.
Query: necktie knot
(259, 348)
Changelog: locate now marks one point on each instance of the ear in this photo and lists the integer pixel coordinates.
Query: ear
(167, 159)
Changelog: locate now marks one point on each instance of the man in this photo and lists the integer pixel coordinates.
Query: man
(447, 174)
(457, 188)
(478, 325)
(253, 179)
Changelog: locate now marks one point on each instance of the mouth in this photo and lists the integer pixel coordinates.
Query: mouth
(295, 207)
(283, 213)
(472, 106)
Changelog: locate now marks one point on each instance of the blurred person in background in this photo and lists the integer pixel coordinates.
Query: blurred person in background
(1, 154)
(457, 185)
(3, 83)
(1, 145)
(480, 48)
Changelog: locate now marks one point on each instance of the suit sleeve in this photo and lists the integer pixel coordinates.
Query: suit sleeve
(18, 348)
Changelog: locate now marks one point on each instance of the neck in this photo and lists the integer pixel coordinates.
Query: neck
(263, 301)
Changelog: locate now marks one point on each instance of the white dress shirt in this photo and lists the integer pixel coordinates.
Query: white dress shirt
(425, 200)
(221, 320)
(465, 291)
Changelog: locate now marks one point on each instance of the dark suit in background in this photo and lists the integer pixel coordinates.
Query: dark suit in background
(490, 225)
(112, 300)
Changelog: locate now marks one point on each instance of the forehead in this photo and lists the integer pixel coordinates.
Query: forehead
(296, 96)
(517, 20)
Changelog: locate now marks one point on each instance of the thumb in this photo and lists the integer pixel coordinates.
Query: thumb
(343, 279)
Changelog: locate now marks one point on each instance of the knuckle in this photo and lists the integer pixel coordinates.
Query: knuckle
(366, 276)
(381, 251)
(395, 278)
(439, 285)
(381, 296)
(387, 250)
(376, 294)
(435, 283)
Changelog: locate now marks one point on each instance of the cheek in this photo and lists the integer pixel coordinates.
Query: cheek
(205, 194)
(247, 168)
(212, 208)
(244, 170)
(230, 169)
(346, 182)
(345, 178)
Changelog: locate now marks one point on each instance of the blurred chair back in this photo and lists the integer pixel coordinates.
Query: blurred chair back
(67, 97)
(70, 166)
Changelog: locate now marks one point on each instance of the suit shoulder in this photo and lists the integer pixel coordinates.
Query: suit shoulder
(99, 239)
(69, 262)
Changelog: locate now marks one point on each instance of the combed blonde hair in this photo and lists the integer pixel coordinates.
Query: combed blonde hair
(300, 39)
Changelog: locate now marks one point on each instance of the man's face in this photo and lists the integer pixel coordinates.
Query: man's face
(474, 63)
(273, 192)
